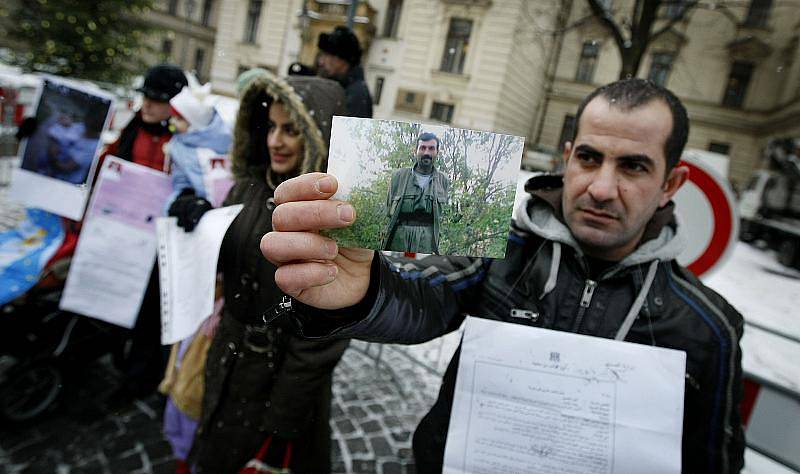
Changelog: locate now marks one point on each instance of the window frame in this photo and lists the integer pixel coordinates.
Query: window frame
(660, 70)
(587, 62)
(252, 19)
(380, 81)
(455, 63)
(741, 71)
(205, 15)
(567, 131)
(758, 13)
(448, 108)
(391, 22)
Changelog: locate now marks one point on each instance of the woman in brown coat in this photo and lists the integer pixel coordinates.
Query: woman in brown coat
(261, 381)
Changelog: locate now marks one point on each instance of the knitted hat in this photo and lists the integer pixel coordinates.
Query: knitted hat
(341, 42)
(193, 106)
(163, 82)
(244, 79)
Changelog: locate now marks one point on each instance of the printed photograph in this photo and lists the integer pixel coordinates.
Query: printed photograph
(69, 122)
(422, 188)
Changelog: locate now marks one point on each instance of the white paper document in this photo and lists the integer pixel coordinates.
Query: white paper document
(188, 269)
(535, 400)
(117, 246)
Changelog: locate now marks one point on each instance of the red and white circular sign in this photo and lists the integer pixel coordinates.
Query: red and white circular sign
(708, 215)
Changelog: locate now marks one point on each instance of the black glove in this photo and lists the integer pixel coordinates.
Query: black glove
(189, 208)
(27, 128)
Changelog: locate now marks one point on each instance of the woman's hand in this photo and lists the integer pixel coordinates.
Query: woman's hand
(311, 268)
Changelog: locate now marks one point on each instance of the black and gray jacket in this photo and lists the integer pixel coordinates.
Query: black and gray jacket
(359, 101)
(546, 274)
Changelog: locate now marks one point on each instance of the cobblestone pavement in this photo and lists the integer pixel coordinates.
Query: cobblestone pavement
(380, 393)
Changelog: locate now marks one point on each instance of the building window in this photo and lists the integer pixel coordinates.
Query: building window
(208, 6)
(199, 61)
(172, 7)
(588, 61)
(166, 48)
(758, 14)
(660, 66)
(251, 23)
(456, 46)
(738, 80)
(378, 90)
(392, 20)
(409, 101)
(567, 130)
(674, 9)
(442, 112)
(721, 148)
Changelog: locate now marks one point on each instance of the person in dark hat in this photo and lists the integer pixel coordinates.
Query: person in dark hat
(142, 142)
(340, 59)
(143, 138)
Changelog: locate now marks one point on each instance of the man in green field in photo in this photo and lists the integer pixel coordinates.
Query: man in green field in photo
(415, 201)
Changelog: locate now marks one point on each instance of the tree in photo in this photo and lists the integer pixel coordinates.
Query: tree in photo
(477, 219)
(100, 40)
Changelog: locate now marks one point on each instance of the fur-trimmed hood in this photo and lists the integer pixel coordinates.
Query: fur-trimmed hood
(311, 102)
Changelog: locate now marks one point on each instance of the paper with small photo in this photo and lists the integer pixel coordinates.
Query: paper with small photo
(423, 188)
(57, 162)
(552, 401)
(116, 251)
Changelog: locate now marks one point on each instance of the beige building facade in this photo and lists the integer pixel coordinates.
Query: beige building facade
(473, 64)
(273, 34)
(737, 71)
(186, 34)
(521, 67)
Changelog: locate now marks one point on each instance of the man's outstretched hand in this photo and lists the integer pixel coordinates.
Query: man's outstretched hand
(311, 268)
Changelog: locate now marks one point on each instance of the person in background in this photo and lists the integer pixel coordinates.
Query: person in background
(265, 387)
(340, 59)
(143, 138)
(142, 142)
(197, 129)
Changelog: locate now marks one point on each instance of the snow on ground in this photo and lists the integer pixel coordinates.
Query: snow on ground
(763, 290)
(766, 294)
(756, 463)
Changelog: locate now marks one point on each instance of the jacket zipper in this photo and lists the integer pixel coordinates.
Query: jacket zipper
(586, 299)
(277, 310)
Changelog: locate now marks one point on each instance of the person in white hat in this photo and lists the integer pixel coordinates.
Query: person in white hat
(199, 134)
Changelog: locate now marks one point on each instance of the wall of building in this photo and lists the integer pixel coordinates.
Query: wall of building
(699, 76)
(186, 33)
(502, 82)
(233, 54)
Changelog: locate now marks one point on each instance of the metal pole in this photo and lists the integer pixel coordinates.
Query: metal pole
(351, 13)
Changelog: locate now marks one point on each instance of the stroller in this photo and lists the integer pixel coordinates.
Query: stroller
(41, 346)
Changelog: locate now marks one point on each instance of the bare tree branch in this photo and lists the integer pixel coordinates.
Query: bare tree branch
(675, 20)
(607, 19)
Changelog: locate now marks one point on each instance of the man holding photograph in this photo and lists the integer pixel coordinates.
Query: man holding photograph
(415, 201)
(591, 254)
